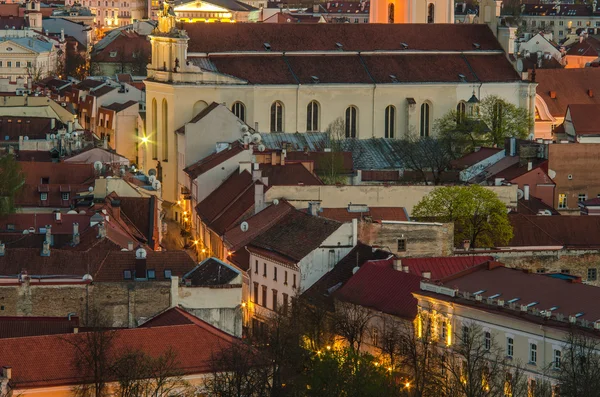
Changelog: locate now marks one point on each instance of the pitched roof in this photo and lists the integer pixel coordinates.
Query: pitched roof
(585, 118)
(289, 174)
(18, 327)
(11, 127)
(98, 92)
(323, 37)
(203, 113)
(442, 267)
(124, 48)
(570, 86)
(533, 206)
(118, 107)
(294, 236)
(568, 297)
(257, 224)
(554, 231)
(213, 160)
(379, 286)
(474, 157)
(562, 9)
(518, 169)
(171, 316)
(324, 160)
(140, 211)
(194, 345)
(211, 272)
(587, 47)
(321, 292)
(374, 213)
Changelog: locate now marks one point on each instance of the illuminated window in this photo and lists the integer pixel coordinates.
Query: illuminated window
(312, 116)
(390, 121)
(239, 109)
(277, 117)
(425, 119)
(351, 121)
(375, 337)
(562, 200)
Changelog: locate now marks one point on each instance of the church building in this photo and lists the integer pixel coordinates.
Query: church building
(383, 80)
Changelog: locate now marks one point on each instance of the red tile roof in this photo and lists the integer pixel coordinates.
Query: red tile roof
(570, 298)
(585, 118)
(118, 107)
(321, 292)
(18, 327)
(294, 237)
(568, 231)
(380, 175)
(23, 221)
(377, 285)
(172, 316)
(31, 127)
(443, 266)
(125, 47)
(375, 213)
(322, 160)
(214, 38)
(44, 361)
(570, 86)
(588, 47)
(475, 157)
(213, 160)
(533, 206)
(516, 170)
(289, 174)
(257, 224)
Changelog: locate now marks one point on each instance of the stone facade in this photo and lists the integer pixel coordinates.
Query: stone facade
(419, 238)
(125, 304)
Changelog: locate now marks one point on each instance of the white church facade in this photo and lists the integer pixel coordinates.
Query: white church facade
(383, 80)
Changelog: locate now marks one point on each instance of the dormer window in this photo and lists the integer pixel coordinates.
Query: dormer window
(151, 274)
(43, 196)
(113, 54)
(127, 274)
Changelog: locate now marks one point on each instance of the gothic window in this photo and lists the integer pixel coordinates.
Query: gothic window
(312, 116)
(431, 13)
(390, 121)
(239, 109)
(277, 117)
(351, 122)
(391, 13)
(425, 119)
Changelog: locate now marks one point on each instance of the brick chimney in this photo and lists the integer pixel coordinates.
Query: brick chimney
(101, 230)
(46, 249)
(130, 246)
(7, 373)
(76, 239)
(259, 197)
(398, 264)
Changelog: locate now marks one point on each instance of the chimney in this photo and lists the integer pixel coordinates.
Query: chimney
(526, 192)
(76, 238)
(405, 269)
(46, 248)
(398, 264)
(552, 94)
(354, 232)
(116, 207)
(7, 373)
(140, 263)
(426, 275)
(256, 172)
(315, 8)
(581, 39)
(259, 197)
(529, 166)
(2, 249)
(590, 93)
(466, 245)
(101, 230)
(49, 234)
(314, 207)
(130, 246)
(69, 126)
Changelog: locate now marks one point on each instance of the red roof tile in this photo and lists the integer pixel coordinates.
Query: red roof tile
(289, 174)
(125, 47)
(568, 231)
(588, 47)
(215, 203)
(380, 175)
(31, 127)
(295, 236)
(23, 221)
(374, 213)
(443, 266)
(213, 160)
(44, 361)
(214, 38)
(322, 160)
(172, 316)
(585, 118)
(18, 327)
(266, 69)
(533, 206)
(378, 286)
(570, 86)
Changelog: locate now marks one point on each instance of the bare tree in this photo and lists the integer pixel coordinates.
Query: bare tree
(334, 162)
(351, 322)
(580, 366)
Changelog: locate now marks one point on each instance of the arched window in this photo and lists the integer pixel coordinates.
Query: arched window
(425, 117)
(461, 111)
(351, 122)
(431, 13)
(312, 116)
(277, 117)
(153, 131)
(165, 126)
(391, 13)
(390, 121)
(239, 109)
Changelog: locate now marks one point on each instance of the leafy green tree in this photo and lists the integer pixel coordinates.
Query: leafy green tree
(11, 182)
(477, 213)
(486, 123)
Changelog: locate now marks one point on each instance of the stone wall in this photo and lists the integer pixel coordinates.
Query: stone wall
(421, 239)
(125, 304)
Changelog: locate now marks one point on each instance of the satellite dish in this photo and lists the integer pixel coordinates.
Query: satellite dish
(531, 137)
(356, 268)
(26, 138)
(275, 201)
(256, 138)
(261, 148)
(244, 128)
(87, 277)
(25, 231)
(244, 226)
(123, 171)
(519, 194)
(151, 179)
(520, 65)
(156, 185)
(72, 212)
(90, 189)
(140, 253)
(52, 136)
(98, 166)
(152, 171)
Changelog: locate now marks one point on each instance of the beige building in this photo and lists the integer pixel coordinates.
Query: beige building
(529, 325)
(274, 82)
